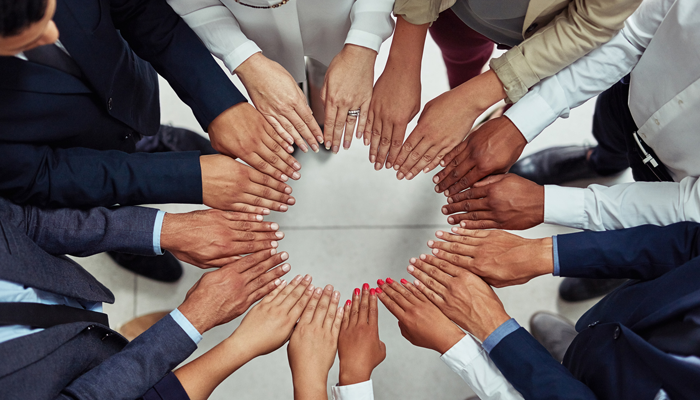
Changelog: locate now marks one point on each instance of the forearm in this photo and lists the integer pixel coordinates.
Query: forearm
(406, 51)
(310, 388)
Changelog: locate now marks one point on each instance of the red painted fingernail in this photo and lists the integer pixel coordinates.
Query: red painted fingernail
(404, 282)
(380, 282)
(347, 303)
(371, 292)
(357, 292)
(379, 291)
(389, 281)
(365, 286)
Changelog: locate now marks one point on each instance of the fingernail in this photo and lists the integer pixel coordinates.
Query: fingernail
(430, 243)
(328, 145)
(372, 159)
(358, 134)
(297, 278)
(417, 283)
(389, 281)
(279, 234)
(291, 201)
(304, 148)
(437, 189)
(426, 170)
(396, 167)
(454, 229)
(451, 220)
(436, 179)
(412, 260)
(284, 178)
(404, 282)
(335, 149)
(277, 282)
(290, 149)
(379, 291)
(284, 255)
(307, 278)
(347, 303)
(409, 176)
(463, 224)
(328, 287)
(388, 165)
(450, 200)
(273, 252)
(286, 267)
(410, 268)
(447, 193)
(319, 290)
(399, 176)
(377, 166)
(435, 251)
(439, 234)
(442, 163)
(265, 211)
(357, 292)
(288, 190)
(346, 145)
(365, 286)
(289, 140)
(371, 292)
(444, 210)
(259, 217)
(310, 288)
(423, 256)
(320, 139)
(366, 142)
(336, 294)
(283, 207)
(296, 175)
(274, 245)
(380, 282)
(314, 147)
(297, 166)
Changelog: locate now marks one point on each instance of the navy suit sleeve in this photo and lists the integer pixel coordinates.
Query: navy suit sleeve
(79, 177)
(139, 366)
(84, 232)
(644, 252)
(158, 35)
(533, 372)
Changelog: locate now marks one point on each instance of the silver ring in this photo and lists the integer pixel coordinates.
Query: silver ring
(354, 113)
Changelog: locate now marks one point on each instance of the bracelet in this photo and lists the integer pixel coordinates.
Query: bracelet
(263, 7)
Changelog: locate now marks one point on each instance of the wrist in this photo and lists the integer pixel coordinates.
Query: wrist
(545, 256)
(171, 231)
(449, 341)
(482, 91)
(350, 375)
(490, 323)
(250, 66)
(197, 318)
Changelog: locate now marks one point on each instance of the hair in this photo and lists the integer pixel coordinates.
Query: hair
(17, 15)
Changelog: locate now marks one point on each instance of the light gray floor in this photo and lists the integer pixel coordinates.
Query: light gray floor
(352, 225)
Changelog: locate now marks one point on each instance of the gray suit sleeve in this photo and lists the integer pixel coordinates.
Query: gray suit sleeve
(84, 232)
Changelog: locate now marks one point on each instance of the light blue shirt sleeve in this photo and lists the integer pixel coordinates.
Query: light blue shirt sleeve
(502, 331)
(157, 228)
(186, 326)
(555, 255)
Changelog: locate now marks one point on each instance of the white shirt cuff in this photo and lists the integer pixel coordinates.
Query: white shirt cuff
(364, 39)
(157, 229)
(186, 326)
(564, 206)
(358, 391)
(538, 109)
(243, 52)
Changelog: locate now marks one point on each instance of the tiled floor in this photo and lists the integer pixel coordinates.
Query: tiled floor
(352, 225)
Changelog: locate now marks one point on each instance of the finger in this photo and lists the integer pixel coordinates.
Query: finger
(469, 194)
(248, 236)
(376, 136)
(403, 292)
(363, 318)
(308, 316)
(279, 126)
(433, 272)
(350, 123)
(273, 283)
(430, 294)
(257, 200)
(468, 234)
(253, 275)
(331, 313)
(251, 261)
(436, 161)
(298, 308)
(446, 267)
(397, 135)
(419, 273)
(427, 157)
(296, 293)
(373, 309)
(279, 286)
(474, 175)
(287, 290)
(476, 220)
(338, 321)
(390, 290)
(220, 262)
(289, 122)
(367, 133)
(390, 304)
(310, 130)
(467, 206)
(453, 153)
(455, 162)
(237, 248)
(338, 126)
(407, 155)
(355, 309)
(458, 174)
(323, 305)
(269, 193)
(277, 158)
(467, 242)
(329, 124)
(286, 146)
(415, 292)
(265, 180)
(362, 122)
(384, 143)
(247, 208)
(249, 221)
(490, 180)
(346, 315)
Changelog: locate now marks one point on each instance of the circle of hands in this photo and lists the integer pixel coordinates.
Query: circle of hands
(452, 291)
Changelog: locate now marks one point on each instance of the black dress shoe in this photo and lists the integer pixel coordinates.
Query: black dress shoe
(554, 332)
(165, 268)
(555, 166)
(580, 289)
(170, 138)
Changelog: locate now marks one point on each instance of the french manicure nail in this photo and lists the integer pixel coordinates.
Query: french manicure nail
(379, 291)
(284, 178)
(286, 267)
(314, 147)
(320, 139)
(404, 282)
(365, 286)
(274, 245)
(389, 281)
(328, 145)
(335, 149)
(411, 268)
(380, 282)
(409, 176)
(371, 292)
(346, 145)
(279, 234)
(304, 148)
(357, 292)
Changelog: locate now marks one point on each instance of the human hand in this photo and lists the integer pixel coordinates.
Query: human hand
(232, 186)
(359, 349)
(214, 238)
(241, 131)
(313, 344)
(500, 201)
(498, 257)
(222, 295)
(348, 86)
(269, 324)
(280, 100)
(445, 122)
(462, 296)
(420, 321)
(492, 148)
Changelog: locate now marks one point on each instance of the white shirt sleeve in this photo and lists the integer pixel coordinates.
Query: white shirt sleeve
(471, 362)
(555, 96)
(358, 391)
(218, 29)
(625, 205)
(371, 23)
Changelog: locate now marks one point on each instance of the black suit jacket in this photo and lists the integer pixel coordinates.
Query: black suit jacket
(55, 127)
(610, 358)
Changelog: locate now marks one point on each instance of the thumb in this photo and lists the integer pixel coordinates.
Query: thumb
(489, 180)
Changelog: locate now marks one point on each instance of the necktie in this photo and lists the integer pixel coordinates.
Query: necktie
(51, 56)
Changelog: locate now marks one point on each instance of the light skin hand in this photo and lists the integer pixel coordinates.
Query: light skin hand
(241, 131)
(313, 344)
(280, 100)
(445, 122)
(222, 295)
(498, 257)
(232, 186)
(396, 96)
(492, 148)
(501, 201)
(348, 86)
(462, 296)
(420, 321)
(359, 349)
(214, 238)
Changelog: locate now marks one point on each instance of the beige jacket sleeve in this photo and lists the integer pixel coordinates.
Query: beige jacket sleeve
(419, 12)
(579, 28)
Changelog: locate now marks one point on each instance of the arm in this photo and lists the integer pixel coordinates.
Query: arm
(578, 29)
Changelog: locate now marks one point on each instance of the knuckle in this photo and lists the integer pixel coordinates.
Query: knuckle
(396, 142)
(428, 158)
(408, 146)
(415, 156)
(257, 201)
(261, 165)
(376, 132)
(384, 141)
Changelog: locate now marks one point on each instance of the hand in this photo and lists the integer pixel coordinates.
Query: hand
(498, 257)
(241, 131)
(492, 148)
(222, 295)
(420, 321)
(501, 201)
(270, 323)
(396, 95)
(359, 349)
(445, 122)
(314, 343)
(280, 100)
(213, 238)
(462, 296)
(232, 186)
(348, 86)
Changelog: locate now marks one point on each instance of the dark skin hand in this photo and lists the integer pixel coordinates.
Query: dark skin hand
(498, 257)
(491, 149)
(501, 201)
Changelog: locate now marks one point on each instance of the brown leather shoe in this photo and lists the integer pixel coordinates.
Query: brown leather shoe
(139, 325)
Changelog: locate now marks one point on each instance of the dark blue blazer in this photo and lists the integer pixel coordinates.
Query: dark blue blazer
(610, 359)
(54, 127)
(79, 360)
